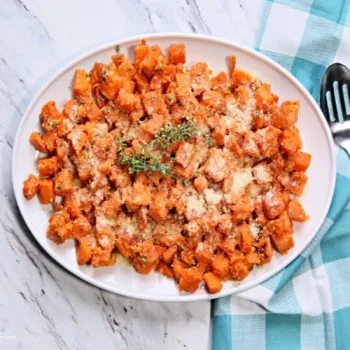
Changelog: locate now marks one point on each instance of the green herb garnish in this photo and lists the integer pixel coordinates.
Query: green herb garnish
(121, 143)
(143, 162)
(117, 48)
(185, 182)
(258, 113)
(52, 124)
(172, 133)
(209, 140)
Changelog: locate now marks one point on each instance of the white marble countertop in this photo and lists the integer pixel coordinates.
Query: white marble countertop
(42, 306)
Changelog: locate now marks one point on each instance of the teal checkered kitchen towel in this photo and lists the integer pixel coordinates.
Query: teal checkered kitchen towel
(307, 305)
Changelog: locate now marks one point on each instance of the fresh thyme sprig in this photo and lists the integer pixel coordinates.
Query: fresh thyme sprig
(173, 133)
(143, 162)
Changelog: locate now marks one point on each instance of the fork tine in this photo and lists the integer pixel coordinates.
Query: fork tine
(331, 117)
(346, 100)
(338, 104)
(330, 109)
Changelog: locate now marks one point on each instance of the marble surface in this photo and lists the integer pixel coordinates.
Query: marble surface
(42, 306)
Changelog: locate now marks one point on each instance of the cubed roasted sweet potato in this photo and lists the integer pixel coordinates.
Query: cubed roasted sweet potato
(287, 115)
(273, 204)
(46, 192)
(30, 186)
(240, 77)
(301, 161)
(189, 280)
(246, 238)
(290, 141)
(64, 182)
(200, 183)
(212, 282)
(220, 265)
(265, 99)
(296, 211)
(48, 166)
(159, 207)
(84, 251)
(81, 84)
(239, 267)
(146, 257)
(177, 53)
(169, 254)
(184, 153)
(38, 142)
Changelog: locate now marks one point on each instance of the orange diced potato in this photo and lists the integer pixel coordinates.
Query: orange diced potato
(297, 183)
(177, 53)
(239, 267)
(220, 265)
(240, 77)
(141, 51)
(80, 227)
(38, 142)
(283, 242)
(215, 165)
(212, 282)
(46, 192)
(59, 227)
(234, 147)
(159, 206)
(48, 166)
(165, 270)
(189, 280)
(219, 80)
(84, 251)
(281, 226)
(264, 98)
(291, 141)
(301, 161)
(232, 63)
(268, 140)
(30, 187)
(242, 94)
(246, 239)
(273, 204)
(50, 116)
(50, 139)
(296, 212)
(184, 153)
(200, 183)
(178, 268)
(103, 257)
(287, 115)
(64, 182)
(124, 244)
(141, 193)
(81, 84)
(169, 254)
(146, 258)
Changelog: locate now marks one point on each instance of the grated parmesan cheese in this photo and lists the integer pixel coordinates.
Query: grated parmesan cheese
(254, 230)
(262, 173)
(241, 179)
(195, 207)
(241, 120)
(212, 197)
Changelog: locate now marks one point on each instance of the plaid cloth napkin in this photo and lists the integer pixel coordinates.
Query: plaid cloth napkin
(307, 305)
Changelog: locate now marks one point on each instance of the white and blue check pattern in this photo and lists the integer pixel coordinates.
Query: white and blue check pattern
(307, 305)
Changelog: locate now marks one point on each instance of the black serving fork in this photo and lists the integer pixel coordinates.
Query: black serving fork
(335, 103)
